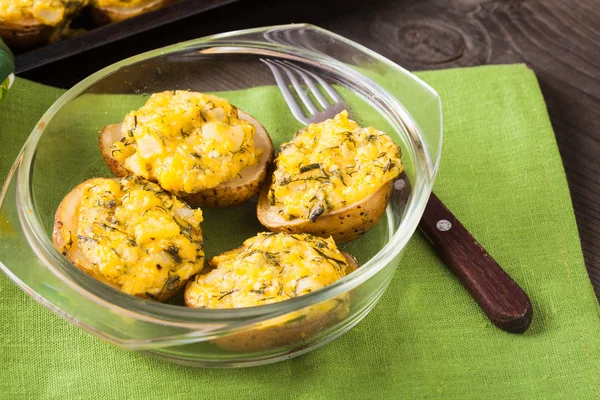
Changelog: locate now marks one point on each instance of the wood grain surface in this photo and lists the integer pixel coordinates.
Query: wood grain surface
(558, 39)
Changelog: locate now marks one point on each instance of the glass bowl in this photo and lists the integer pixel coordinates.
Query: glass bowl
(62, 151)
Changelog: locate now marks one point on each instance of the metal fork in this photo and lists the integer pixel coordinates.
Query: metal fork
(314, 115)
(502, 300)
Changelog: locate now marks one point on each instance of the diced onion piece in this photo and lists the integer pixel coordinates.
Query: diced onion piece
(218, 113)
(149, 146)
(236, 135)
(47, 15)
(210, 131)
(136, 165)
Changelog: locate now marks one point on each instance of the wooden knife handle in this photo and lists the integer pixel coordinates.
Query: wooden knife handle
(504, 302)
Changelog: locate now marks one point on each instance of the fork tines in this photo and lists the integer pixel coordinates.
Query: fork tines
(294, 73)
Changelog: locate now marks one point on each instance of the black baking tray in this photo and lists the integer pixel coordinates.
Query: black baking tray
(110, 33)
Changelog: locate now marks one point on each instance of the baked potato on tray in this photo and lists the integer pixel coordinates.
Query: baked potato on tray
(26, 24)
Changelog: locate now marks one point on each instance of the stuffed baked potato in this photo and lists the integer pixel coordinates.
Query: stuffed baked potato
(130, 234)
(269, 268)
(197, 146)
(332, 179)
(30, 23)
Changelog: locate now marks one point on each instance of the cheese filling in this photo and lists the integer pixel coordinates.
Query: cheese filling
(268, 268)
(137, 236)
(47, 12)
(329, 165)
(120, 3)
(186, 141)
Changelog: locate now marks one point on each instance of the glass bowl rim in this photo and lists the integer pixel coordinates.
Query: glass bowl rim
(178, 315)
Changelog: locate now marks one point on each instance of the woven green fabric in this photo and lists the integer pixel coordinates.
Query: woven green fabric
(7, 67)
(502, 176)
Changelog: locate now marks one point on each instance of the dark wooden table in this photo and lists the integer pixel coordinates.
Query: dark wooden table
(559, 39)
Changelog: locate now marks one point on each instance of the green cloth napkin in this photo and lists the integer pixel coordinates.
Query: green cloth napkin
(500, 173)
(7, 67)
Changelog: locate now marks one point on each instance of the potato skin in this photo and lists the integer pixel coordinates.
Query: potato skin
(25, 35)
(309, 323)
(287, 333)
(117, 169)
(231, 193)
(65, 217)
(227, 194)
(343, 225)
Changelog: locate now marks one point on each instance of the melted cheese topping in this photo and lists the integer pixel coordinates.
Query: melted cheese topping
(137, 236)
(329, 165)
(268, 268)
(47, 12)
(121, 3)
(186, 141)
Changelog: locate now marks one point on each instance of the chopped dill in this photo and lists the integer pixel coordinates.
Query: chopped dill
(173, 283)
(173, 252)
(309, 167)
(272, 197)
(316, 212)
(86, 239)
(151, 296)
(225, 295)
(266, 298)
(337, 261)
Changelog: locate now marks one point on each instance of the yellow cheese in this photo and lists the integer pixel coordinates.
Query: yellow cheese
(137, 236)
(119, 3)
(47, 12)
(186, 141)
(329, 165)
(268, 268)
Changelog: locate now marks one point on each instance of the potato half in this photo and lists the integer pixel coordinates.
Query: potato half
(191, 302)
(107, 15)
(344, 224)
(333, 178)
(233, 192)
(26, 33)
(302, 327)
(66, 220)
(292, 328)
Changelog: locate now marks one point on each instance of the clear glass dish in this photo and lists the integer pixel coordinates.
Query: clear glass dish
(62, 152)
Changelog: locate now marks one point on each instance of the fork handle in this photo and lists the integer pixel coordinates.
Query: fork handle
(502, 300)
